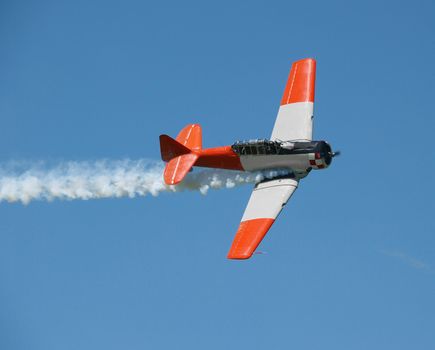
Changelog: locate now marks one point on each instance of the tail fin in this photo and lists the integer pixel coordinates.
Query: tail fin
(180, 153)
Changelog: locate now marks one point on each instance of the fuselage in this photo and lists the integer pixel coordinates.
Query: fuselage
(254, 155)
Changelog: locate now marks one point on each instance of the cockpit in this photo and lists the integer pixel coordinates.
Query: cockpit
(267, 147)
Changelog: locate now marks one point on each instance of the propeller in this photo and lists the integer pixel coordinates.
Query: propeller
(334, 154)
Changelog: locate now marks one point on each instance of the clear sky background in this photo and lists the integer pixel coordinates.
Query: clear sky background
(351, 260)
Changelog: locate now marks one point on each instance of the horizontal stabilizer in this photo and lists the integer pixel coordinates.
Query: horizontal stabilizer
(178, 168)
(170, 148)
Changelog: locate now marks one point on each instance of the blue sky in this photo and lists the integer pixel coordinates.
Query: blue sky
(350, 262)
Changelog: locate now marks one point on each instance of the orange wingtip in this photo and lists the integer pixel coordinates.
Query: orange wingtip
(301, 82)
(248, 237)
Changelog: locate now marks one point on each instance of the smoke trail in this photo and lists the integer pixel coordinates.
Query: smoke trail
(20, 182)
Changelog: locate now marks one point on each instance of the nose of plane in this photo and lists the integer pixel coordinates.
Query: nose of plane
(327, 152)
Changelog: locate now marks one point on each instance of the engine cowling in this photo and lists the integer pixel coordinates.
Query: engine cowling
(322, 156)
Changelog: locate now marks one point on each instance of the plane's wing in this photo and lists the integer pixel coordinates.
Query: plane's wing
(266, 202)
(295, 115)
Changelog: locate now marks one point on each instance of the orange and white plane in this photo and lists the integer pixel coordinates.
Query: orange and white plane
(290, 147)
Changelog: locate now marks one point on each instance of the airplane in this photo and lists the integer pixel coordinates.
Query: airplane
(290, 147)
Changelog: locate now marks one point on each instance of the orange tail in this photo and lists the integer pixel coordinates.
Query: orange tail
(181, 154)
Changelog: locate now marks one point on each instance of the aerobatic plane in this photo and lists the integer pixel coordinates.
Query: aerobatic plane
(290, 147)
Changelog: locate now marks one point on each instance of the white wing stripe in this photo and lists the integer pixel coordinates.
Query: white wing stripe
(268, 198)
(294, 122)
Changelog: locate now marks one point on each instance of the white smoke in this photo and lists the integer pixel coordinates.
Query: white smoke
(23, 183)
